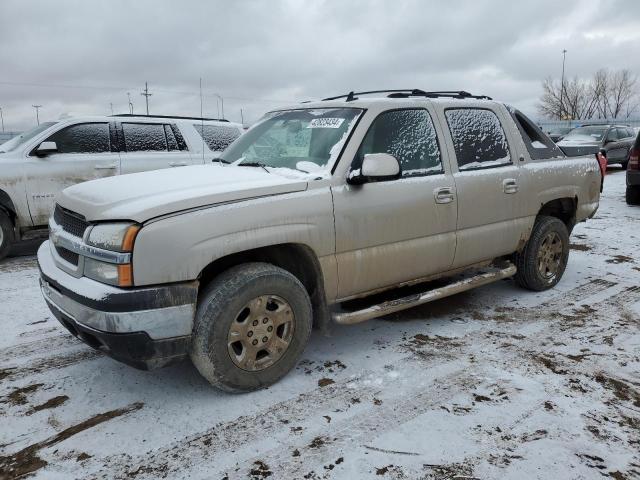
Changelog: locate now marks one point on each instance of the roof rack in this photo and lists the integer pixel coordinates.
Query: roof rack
(168, 116)
(411, 92)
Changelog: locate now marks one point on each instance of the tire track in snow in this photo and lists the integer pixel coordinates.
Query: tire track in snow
(44, 346)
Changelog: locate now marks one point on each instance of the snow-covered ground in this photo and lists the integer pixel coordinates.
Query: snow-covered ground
(497, 383)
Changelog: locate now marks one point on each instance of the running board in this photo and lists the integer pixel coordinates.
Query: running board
(392, 306)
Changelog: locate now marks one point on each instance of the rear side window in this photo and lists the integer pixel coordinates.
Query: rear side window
(539, 145)
(83, 138)
(409, 136)
(217, 137)
(478, 138)
(141, 137)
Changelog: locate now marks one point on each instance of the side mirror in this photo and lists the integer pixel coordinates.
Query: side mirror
(376, 167)
(46, 148)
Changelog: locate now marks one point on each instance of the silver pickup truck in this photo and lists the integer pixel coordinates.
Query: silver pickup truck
(318, 204)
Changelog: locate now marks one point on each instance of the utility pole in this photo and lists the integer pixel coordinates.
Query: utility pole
(241, 117)
(564, 55)
(146, 94)
(2, 119)
(37, 107)
(111, 105)
(130, 104)
(221, 102)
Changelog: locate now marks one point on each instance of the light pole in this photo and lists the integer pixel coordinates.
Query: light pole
(2, 119)
(221, 102)
(564, 55)
(37, 107)
(130, 104)
(146, 95)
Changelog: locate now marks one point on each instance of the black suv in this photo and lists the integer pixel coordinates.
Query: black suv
(633, 174)
(614, 141)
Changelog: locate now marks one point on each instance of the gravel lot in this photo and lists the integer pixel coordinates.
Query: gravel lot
(497, 383)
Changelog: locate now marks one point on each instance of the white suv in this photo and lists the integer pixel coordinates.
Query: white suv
(37, 165)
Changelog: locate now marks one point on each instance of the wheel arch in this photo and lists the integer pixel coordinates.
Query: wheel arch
(564, 208)
(298, 259)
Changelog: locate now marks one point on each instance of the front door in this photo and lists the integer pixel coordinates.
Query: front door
(84, 152)
(488, 186)
(396, 231)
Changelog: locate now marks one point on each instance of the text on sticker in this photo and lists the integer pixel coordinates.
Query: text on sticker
(325, 123)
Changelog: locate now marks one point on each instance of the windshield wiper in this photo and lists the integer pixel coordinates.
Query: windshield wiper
(221, 160)
(254, 164)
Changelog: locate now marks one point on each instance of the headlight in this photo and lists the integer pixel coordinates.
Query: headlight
(114, 237)
(117, 237)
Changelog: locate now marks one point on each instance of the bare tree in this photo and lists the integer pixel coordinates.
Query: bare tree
(605, 95)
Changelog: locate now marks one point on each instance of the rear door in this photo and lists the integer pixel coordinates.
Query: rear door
(86, 151)
(390, 232)
(488, 185)
(152, 146)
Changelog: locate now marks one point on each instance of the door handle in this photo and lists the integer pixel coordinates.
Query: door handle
(177, 164)
(510, 185)
(444, 195)
(112, 166)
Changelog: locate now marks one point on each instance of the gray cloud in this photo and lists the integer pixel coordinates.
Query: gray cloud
(80, 56)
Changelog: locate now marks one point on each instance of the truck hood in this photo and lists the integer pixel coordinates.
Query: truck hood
(143, 196)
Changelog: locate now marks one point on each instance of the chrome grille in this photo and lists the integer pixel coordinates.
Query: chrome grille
(70, 222)
(68, 255)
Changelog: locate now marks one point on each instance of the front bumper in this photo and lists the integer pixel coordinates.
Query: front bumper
(143, 327)
(633, 178)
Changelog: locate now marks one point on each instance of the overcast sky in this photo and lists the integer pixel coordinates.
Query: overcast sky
(77, 57)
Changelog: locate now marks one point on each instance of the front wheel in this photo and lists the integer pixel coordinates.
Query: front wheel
(251, 327)
(544, 259)
(6, 234)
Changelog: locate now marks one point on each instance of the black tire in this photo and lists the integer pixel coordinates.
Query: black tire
(530, 274)
(633, 195)
(624, 165)
(6, 234)
(219, 310)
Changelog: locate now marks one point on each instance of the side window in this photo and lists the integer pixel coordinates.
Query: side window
(478, 138)
(83, 138)
(217, 137)
(612, 136)
(140, 137)
(622, 133)
(539, 145)
(409, 136)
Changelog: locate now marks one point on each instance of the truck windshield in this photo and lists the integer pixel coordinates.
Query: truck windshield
(24, 137)
(309, 140)
(594, 134)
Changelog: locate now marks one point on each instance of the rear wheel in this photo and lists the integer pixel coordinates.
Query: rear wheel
(6, 234)
(544, 259)
(251, 327)
(633, 195)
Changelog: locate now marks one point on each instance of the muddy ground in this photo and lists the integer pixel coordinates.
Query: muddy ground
(498, 383)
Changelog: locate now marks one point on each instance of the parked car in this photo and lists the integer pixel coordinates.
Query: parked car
(633, 174)
(36, 165)
(322, 203)
(613, 140)
(556, 134)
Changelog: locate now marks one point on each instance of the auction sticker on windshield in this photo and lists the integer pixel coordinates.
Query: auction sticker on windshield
(325, 123)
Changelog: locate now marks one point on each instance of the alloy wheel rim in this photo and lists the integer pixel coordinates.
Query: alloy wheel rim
(260, 333)
(550, 256)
